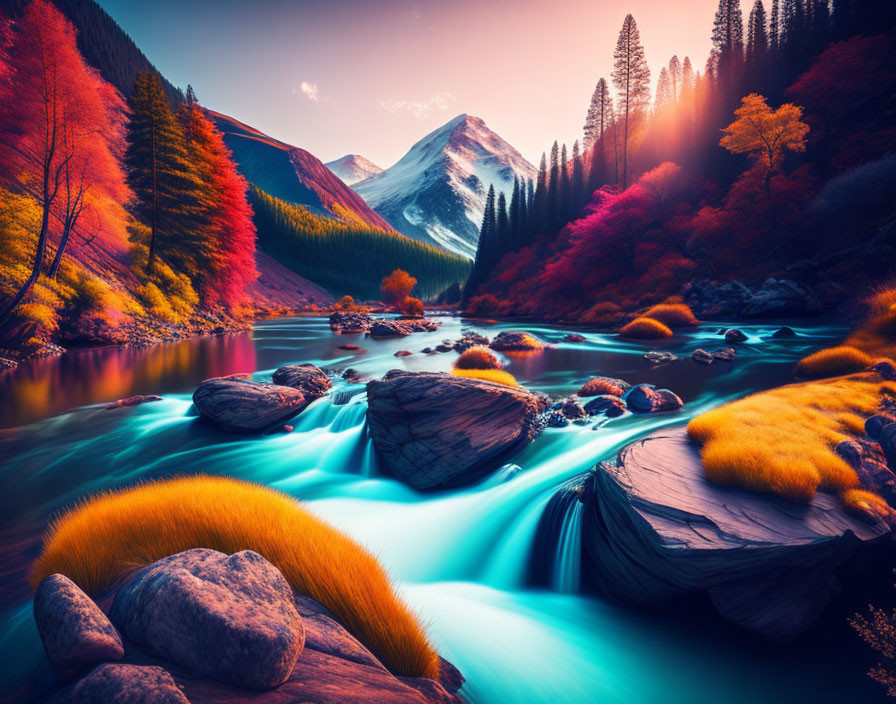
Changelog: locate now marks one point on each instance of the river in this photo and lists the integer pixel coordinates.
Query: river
(459, 557)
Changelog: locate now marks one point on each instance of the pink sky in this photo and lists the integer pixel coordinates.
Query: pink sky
(372, 77)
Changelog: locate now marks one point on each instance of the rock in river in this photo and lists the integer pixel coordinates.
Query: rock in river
(231, 618)
(245, 406)
(600, 385)
(656, 529)
(646, 399)
(75, 632)
(437, 430)
(516, 341)
(310, 380)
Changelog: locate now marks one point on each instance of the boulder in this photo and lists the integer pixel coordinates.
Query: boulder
(75, 632)
(735, 335)
(403, 353)
(419, 324)
(875, 424)
(245, 406)
(728, 354)
(600, 385)
(702, 356)
(556, 419)
(573, 337)
(571, 409)
(231, 618)
(135, 400)
(646, 399)
(781, 297)
(885, 369)
(436, 430)
(610, 406)
(785, 333)
(516, 341)
(658, 357)
(870, 464)
(655, 530)
(470, 339)
(310, 380)
(386, 327)
(708, 299)
(123, 684)
(347, 322)
(887, 442)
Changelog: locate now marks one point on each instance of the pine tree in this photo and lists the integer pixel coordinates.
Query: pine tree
(160, 173)
(757, 39)
(502, 229)
(596, 119)
(485, 250)
(565, 193)
(631, 76)
(663, 91)
(553, 192)
(578, 180)
(774, 28)
(728, 35)
(515, 215)
(597, 171)
(675, 77)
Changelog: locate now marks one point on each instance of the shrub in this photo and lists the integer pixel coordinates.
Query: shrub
(483, 306)
(645, 329)
(345, 303)
(496, 376)
(782, 441)
(477, 358)
(878, 630)
(397, 286)
(101, 539)
(834, 361)
(675, 315)
(412, 306)
(603, 313)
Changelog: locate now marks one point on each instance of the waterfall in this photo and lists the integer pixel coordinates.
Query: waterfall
(567, 570)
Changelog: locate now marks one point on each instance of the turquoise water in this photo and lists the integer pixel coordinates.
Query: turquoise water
(459, 557)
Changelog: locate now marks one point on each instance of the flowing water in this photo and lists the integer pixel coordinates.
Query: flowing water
(460, 557)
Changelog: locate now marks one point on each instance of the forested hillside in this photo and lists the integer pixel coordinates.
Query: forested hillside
(347, 255)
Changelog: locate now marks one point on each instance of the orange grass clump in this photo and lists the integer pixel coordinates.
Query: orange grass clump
(478, 357)
(877, 335)
(782, 441)
(646, 329)
(834, 361)
(866, 503)
(675, 315)
(496, 376)
(104, 537)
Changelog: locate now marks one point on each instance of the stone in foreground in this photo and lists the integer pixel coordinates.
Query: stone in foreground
(646, 399)
(436, 430)
(231, 618)
(123, 684)
(246, 406)
(310, 380)
(656, 530)
(75, 632)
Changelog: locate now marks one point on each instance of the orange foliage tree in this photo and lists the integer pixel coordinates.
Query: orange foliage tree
(61, 134)
(765, 134)
(396, 287)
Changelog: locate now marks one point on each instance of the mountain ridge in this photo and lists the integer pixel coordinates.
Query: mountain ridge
(353, 168)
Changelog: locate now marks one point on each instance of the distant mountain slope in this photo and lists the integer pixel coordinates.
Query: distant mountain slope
(294, 175)
(104, 44)
(353, 168)
(436, 192)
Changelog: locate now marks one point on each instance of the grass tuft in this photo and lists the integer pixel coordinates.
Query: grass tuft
(782, 441)
(98, 541)
(496, 376)
(478, 357)
(834, 361)
(646, 329)
(674, 315)
(866, 503)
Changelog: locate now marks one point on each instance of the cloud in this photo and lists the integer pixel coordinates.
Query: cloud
(418, 108)
(311, 91)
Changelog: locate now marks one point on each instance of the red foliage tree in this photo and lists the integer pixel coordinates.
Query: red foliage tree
(397, 286)
(229, 229)
(61, 132)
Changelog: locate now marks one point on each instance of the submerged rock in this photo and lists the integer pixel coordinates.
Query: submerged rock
(729, 354)
(228, 617)
(702, 356)
(656, 530)
(123, 684)
(129, 401)
(784, 333)
(310, 380)
(76, 634)
(658, 357)
(470, 339)
(735, 335)
(646, 399)
(437, 430)
(516, 341)
(573, 337)
(245, 406)
(608, 405)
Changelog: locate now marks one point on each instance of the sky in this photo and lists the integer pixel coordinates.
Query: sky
(372, 77)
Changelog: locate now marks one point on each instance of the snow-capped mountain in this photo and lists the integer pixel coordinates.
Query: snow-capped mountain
(436, 192)
(352, 168)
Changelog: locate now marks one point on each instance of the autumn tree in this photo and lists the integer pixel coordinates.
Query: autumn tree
(161, 174)
(224, 217)
(766, 134)
(396, 287)
(631, 76)
(60, 134)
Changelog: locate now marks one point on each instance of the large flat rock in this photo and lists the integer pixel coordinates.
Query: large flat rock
(656, 529)
(437, 430)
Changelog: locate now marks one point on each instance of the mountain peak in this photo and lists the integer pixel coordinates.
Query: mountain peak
(353, 168)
